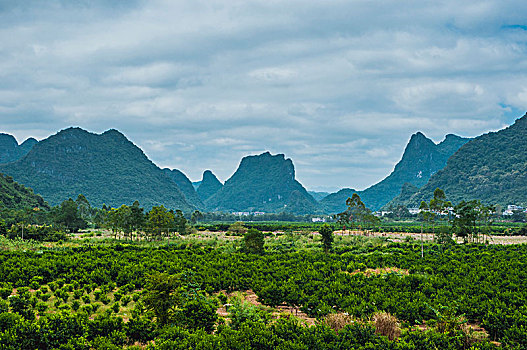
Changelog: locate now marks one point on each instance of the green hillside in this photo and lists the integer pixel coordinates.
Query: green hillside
(263, 183)
(16, 196)
(107, 169)
(421, 159)
(209, 185)
(318, 195)
(185, 185)
(491, 167)
(11, 151)
(336, 202)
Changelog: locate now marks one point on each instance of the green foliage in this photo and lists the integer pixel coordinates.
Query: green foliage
(41, 233)
(180, 223)
(198, 313)
(162, 295)
(237, 229)
(242, 312)
(253, 242)
(326, 232)
(469, 218)
(159, 221)
(14, 196)
(356, 215)
(67, 215)
(485, 281)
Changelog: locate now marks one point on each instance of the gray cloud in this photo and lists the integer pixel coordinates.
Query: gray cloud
(337, 86)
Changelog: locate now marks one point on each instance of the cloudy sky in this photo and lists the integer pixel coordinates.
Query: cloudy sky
(338, 86)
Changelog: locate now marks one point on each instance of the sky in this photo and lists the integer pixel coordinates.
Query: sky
(337, 86)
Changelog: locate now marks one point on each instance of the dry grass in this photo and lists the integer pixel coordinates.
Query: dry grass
(380, 271)
(387, 325)
(337, 321)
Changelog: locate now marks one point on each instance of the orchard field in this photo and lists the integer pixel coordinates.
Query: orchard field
(366, 293)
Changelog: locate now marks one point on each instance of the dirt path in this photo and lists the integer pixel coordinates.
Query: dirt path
(250, 297)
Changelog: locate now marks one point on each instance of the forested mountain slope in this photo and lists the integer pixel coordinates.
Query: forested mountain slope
(16, 196)
(421, 159)
(106, 168)
(263, 183)
(209, 185)
(185, 185)
(492, 167)
(11, 151)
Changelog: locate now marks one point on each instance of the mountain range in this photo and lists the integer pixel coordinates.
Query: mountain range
(109, 169)
(106, 168)
(11, 151)
(421, 159)
(208, 185)
(492, 167)
(263, 183)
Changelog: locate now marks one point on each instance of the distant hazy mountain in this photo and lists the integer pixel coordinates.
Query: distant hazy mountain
(208, 185)
(11, 151)
(263, 183)
(107, 169)
(318, 195)
(421, 159)
(407, 191)
(336, 202)
(492, 167)
(186, 187)
(16, 196)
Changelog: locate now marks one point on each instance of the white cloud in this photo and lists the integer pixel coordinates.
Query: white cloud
(337, 86)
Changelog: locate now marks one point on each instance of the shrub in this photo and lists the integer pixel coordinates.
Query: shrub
(222, 298)
(253, 242)
(75, 305)
(5, 292)
(242, 311)
(41, 307)
(77, 294)
(125, 300)
(136, 297)
(115, 307)
(199, 313)
(4, 306)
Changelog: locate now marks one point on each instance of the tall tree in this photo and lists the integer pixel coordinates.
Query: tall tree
(440, 206)
(83, 206)
(356, 215)
(326, 233)
(138, 218)
(470, 218)
(67, 215)
(253, 242)
(160, 220)
(181, 223)
(163, 293)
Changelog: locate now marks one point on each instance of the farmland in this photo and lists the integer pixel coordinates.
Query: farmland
(93, 291)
